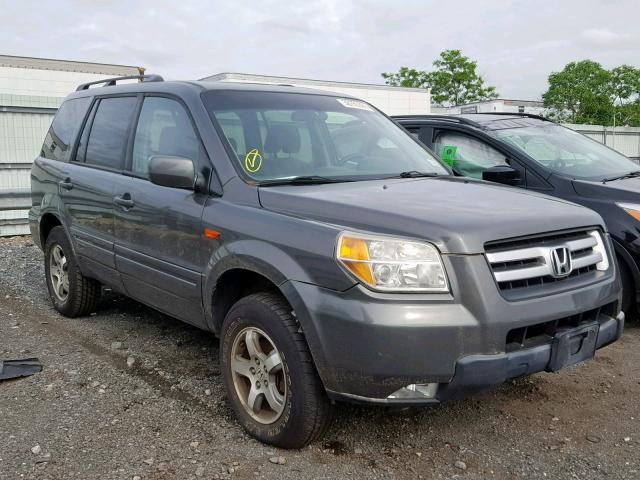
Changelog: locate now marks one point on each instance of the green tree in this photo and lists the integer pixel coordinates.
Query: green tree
(455, 80)
(625, 83)
(628, 114)
(625, 94)
(585, 92)
(407, 77)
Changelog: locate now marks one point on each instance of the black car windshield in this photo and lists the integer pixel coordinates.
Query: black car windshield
(276, 136)
(566, 151)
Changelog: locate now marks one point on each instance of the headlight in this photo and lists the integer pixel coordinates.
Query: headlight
(632, 209)
(392, 265)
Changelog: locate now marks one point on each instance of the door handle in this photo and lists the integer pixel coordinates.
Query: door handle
(66, 184)
(124, 201)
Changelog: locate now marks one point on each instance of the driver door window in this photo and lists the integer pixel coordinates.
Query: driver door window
(470, 156)
(164, 128)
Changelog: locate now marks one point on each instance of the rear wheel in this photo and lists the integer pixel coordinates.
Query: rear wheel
(271, 381)
(71, 293)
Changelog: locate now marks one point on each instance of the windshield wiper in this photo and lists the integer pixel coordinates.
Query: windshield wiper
(635, 173)
(302, 180)
(417, 174)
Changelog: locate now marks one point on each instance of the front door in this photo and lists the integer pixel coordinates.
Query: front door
(159, 229)
(470, 156)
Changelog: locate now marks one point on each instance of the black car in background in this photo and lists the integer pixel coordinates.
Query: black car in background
(532, 152)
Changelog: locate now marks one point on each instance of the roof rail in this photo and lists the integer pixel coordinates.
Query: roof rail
(517, 114)
(467, 118)
(110, 82)
(452, 117)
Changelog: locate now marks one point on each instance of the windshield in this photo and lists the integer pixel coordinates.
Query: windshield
(277, 136)
(567, 151)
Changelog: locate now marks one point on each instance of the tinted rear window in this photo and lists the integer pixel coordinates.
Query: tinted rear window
(59, 140)
(109, 132)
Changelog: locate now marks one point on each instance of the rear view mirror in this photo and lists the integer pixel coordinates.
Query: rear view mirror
(175, 172)
(504, 174)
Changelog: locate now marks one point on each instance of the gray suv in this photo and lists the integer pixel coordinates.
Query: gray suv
(335, 258)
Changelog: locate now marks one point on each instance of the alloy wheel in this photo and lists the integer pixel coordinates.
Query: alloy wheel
(259, 375)
(59, 273)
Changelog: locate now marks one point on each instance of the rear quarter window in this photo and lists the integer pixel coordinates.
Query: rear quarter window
(59, 139)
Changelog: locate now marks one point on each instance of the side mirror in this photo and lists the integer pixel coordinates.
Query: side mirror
(504, 174)
(175, 172)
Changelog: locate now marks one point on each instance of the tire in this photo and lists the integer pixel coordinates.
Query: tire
(629, 305)
(77, 295)
(306, 411)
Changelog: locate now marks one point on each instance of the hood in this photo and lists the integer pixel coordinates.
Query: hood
(458, 215)
(625, 189)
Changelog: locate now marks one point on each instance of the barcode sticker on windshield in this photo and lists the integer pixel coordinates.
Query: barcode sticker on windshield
(353, 103)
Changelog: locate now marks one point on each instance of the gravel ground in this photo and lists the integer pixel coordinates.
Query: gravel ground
(129, 393)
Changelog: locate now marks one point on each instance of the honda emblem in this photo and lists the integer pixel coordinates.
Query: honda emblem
(561, 262)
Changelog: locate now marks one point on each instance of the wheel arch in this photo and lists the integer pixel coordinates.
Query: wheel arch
(219, 299)
(230, 286)
(48, 221)
(235, 267)
(623, 254)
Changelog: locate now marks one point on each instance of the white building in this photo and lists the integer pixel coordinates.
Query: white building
(31, 90)
(391, 100)
(498, 105)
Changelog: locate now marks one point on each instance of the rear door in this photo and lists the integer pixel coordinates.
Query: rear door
(88, 182)
(159, 229)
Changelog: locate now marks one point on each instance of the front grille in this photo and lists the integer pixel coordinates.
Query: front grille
(526, 263)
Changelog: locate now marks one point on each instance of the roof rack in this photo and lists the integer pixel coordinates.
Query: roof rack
(517, 114)
(467, 118)
(452, 117)
(110, 82)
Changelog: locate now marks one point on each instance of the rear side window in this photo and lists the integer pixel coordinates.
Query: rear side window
(107, 143)
(59, 140)
(164, 128)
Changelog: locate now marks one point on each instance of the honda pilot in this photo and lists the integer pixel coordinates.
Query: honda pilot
(332, 254)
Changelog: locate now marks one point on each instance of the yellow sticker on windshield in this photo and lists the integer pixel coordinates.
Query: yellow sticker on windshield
(253, 161)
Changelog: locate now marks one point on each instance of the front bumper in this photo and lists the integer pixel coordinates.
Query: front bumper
(475, 373)
(368, 345)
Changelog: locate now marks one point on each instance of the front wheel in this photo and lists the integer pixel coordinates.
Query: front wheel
(271, 381)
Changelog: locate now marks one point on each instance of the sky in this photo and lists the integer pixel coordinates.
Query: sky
(516, 43)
